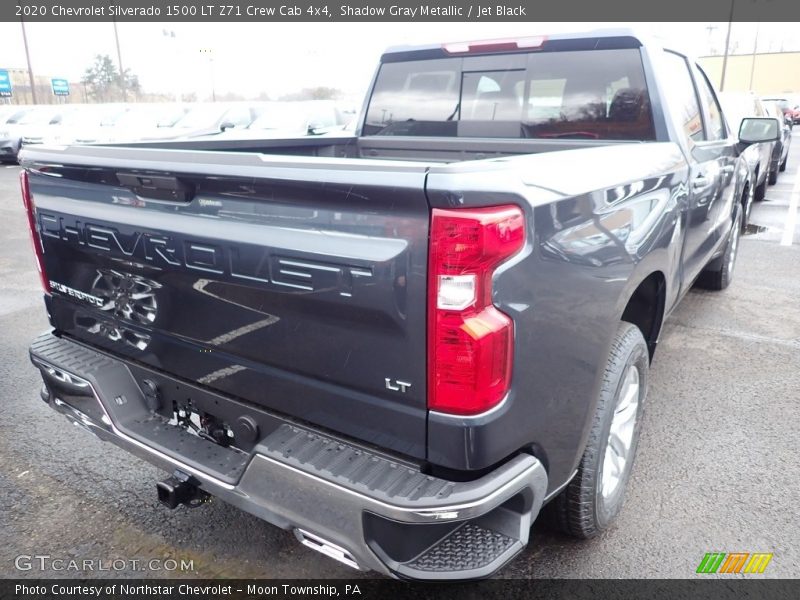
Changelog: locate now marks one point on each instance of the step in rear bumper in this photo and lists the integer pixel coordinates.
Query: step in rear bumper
(371, 510)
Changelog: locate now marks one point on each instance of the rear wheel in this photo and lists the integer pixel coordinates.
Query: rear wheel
(760, 190)
(589, 503)
(773, 177)
(747, 206)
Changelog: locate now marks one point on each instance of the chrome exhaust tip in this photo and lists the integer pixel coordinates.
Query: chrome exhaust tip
(327, 548)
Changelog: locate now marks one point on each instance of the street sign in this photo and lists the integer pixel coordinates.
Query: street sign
(5, 84)
(60, 87)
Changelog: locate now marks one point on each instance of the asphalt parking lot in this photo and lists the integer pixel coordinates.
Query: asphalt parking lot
(717, 468)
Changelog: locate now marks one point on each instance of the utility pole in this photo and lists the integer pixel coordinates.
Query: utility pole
(121, 68)
(727, 46)
(209, 52)
(170, 35)
(28, 58)
(753, 65)
(711, 29)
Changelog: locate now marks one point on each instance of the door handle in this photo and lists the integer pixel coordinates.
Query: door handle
(157, 187)
(701, 182)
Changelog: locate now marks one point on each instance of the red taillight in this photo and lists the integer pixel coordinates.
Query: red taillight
(503, 45)
(470, 342)
(30, 209)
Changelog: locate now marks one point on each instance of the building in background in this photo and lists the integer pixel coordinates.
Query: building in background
(765, 74)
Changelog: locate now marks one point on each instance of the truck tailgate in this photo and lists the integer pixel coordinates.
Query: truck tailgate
(295, 284)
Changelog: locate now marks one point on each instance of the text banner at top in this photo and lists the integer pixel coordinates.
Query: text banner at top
(400, 11)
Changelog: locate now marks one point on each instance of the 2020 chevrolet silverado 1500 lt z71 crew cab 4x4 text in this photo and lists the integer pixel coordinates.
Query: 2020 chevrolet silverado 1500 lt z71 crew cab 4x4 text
(400, 344)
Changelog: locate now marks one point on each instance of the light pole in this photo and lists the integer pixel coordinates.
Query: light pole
(753, 64)
(727, 47)
(209, 52)
(28, 58)
(121, 68)
(711, 29)
(170, 35)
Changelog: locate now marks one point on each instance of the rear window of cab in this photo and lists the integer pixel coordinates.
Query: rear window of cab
(582, 94)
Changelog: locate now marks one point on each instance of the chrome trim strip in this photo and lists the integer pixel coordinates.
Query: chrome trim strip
(497, 407)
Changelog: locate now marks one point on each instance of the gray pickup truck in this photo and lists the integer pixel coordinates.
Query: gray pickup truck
(405, 343)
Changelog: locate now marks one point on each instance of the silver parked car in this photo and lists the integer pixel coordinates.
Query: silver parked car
(208, 118)
(290, 119)
(10, 133)
(738, 106)
(780, 152)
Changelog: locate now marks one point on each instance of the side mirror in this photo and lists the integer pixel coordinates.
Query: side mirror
(759, 130)
(227, 125)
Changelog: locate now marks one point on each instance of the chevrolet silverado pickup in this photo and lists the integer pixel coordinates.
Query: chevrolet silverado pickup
(400, 343)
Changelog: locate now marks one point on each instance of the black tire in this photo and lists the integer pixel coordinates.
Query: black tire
(581, 510)
(760, 191)
(783, 164)
(747, 207)
(773, 177)
(718, 274)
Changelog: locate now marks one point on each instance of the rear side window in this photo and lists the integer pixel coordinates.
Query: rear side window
(715, 130)
(592, 94)
(681, 90)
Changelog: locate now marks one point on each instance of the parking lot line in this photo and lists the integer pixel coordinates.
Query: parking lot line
(791, 217)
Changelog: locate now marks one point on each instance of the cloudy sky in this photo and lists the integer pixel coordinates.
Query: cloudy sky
(250, 58)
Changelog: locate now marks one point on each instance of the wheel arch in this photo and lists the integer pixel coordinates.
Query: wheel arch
(645, 308)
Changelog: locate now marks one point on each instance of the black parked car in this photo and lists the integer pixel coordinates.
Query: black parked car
(780, 151)
(743, 105)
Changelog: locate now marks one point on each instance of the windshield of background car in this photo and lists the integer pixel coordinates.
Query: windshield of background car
(171, 115)
(287, 117)
(143, 117)
(13, 117)
(588, 94)
(38, 117)
(147, 116)
(201, 117)
(783, 103)
(80, 118)
(738, 107)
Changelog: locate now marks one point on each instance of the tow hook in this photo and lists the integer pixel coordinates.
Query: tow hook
(181, 488)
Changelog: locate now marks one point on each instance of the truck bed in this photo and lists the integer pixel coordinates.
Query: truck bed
(425, 149)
